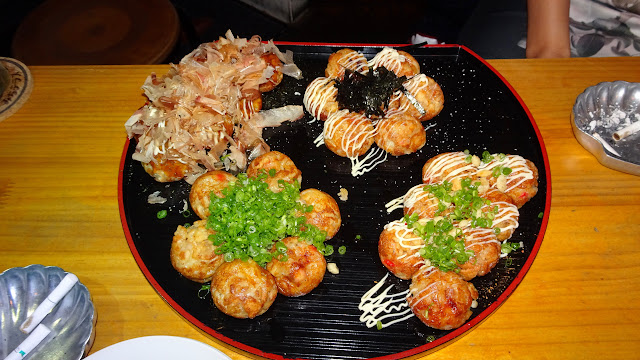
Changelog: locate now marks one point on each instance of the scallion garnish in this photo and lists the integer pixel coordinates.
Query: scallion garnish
(249, 220)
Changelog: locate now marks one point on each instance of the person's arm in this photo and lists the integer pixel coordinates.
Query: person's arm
(547, 28)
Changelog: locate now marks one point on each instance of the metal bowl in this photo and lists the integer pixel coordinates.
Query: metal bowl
(600, 111)
(72, 321)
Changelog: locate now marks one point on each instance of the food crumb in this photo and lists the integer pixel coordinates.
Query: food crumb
(155, 198)
(333, 268)
(343, 195)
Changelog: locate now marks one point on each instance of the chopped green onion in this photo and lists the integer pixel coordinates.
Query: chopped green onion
(486, 157)
(161, 214)
(430, 338)
(342, 250)
(379, 325)
(508, 247)
(249, 220)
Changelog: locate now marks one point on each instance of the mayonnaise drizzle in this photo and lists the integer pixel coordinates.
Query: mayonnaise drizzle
(371, 159)
(520, 172)
(442, 168)
(353, 137)
(388, 58)
(376, 308)
(319, 92)
(355, 62)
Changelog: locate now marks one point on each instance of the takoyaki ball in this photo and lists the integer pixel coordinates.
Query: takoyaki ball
(210, 182)
(400, 134)
(247, 107)
(441, 300)
(486, 252)
(192, 253)
(325, 214)
(274, 68)
(521, 184)
(447, 166)
(428, 95)
(398, 61)
(348, 134)
(345, 59)
(320, 98)
(505, 213)
(283, 166)
(398, 248)
(166, 170)
(302, 271)
(243, 289)
(421, 203)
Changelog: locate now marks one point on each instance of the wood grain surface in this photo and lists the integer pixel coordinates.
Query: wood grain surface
(59, 161)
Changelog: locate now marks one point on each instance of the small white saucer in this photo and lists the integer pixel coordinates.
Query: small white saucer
(159, 348)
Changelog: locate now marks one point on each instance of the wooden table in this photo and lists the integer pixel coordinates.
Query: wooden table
(59, 160)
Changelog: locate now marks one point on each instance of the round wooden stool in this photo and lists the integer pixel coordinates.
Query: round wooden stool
(77, 32)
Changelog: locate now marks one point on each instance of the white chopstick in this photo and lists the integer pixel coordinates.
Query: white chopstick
(49, 303)
(26, 346)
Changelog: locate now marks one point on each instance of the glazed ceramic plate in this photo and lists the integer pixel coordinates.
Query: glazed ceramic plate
(481, 112)
(18, 89)
(159, 348)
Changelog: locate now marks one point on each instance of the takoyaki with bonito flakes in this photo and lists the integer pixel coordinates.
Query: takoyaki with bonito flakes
(399, 250)
(345, 59)
(441, 300)
(325, 213)
(400, 134)
(275, 166)
(398, 61)
(243, 289)
(320, 98)
(192, 253)
(301, 270)
(165, 170)
(272, 73)
(422, 99)
(222, 79)
(210, 183)
(348, 134)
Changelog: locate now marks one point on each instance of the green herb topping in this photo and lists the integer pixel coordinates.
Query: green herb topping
(444, 243)
(250, 220)
(161, 214)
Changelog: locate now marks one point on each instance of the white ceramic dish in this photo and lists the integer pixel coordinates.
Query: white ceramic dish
(159, 348)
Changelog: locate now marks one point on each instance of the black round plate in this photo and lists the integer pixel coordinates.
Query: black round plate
(481, 112)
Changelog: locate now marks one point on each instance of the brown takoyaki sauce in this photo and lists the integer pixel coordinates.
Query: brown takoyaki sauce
(368, 93)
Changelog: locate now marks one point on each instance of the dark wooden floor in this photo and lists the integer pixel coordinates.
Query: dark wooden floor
(345, 21)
